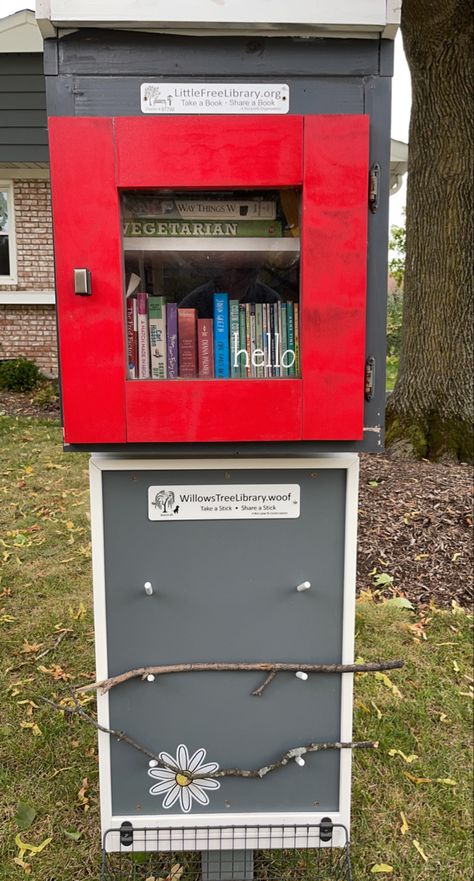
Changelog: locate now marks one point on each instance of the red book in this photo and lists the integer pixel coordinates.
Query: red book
(187, 342)
(205, 347)
(132, 337)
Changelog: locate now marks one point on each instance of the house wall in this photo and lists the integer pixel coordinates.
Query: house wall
(30, 331)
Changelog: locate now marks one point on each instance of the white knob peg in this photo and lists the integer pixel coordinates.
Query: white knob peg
(150, 678)
(300, 761)
(305, 585)
(148, 588)
(152, 763)
(301, 675)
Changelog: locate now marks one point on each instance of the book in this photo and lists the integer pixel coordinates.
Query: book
(187, 342)
(157, 329)
(206, 209)
(148, 227)
(259, 354)
(205, 343)
(253, 341)
(234, 338)
(143, 337)
(132, 337)
(284, 357)
(221, 336)
(248, 366)
(172, 340)
(296, 321)
(291, 338)
(276, 337)
(242, 340)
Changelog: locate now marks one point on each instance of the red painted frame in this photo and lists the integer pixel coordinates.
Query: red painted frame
(93, 158)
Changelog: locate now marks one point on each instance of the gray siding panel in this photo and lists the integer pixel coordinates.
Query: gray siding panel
(23, 120)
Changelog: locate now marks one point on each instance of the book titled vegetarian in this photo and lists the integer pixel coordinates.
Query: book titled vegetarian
(187, 343)
(205, 347)
(148, 227)
(157, 328)
(172, 340)
(221, 336)
(143, 337)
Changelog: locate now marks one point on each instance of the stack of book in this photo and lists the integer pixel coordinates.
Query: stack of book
(242, 340)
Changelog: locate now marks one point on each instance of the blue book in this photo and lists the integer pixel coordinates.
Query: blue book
(221, 336)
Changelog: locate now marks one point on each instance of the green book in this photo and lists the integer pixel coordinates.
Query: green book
(234, 330)
(259, 341)
(150, 227)
(284, 341)
(291, 337)
(157, 329)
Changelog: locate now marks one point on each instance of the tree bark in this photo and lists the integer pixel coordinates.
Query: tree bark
(430, 411)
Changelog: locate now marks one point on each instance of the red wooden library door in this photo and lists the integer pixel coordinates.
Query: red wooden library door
(94, 159)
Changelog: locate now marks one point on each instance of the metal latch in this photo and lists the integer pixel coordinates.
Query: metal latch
(126, 834)
(369, 381)
(374, 175)
(82, 282)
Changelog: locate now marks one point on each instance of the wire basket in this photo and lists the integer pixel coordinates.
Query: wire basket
(228, 853)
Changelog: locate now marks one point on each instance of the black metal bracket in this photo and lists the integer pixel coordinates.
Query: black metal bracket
(374, 179)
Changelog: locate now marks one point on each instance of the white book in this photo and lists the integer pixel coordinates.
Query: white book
(143, 338)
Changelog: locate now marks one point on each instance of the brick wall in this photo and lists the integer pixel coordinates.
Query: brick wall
(30, 331)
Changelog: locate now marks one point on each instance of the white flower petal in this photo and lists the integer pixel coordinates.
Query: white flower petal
(162, 773)
(169, 760)
(207, 784)
(160, 788)
(172, 796)
(208, 769)
(198, 794)
(196, 759)
(185, 799)
(182, 757)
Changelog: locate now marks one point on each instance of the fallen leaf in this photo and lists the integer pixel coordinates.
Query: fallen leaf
(398, 752)
(31, 647)
(382, 677)
(82, 795)
(74, 836)
(23, 846)
(24, 815)
(417, 780)
(420, 850)
(381, 868)
(404, 826)
(456, 667)
(379, 713)
(34, 728)
(399, 603)
(382, 579)
(446, 780)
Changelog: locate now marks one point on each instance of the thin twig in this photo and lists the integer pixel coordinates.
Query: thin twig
(55, 645)
(268, 678)
(264, 667)
(258, 773)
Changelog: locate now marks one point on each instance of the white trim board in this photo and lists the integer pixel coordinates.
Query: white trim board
(104, 462)
(26, 298)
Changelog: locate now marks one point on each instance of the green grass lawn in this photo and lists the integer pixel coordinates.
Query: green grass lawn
(48, 762)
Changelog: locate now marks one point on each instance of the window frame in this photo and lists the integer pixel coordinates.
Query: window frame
(8, 187)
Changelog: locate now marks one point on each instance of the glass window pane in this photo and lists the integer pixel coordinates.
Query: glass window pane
(4, 248)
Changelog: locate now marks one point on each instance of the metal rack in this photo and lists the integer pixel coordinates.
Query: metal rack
(227, 853)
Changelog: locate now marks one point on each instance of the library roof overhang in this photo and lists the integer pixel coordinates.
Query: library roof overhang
(326, 18)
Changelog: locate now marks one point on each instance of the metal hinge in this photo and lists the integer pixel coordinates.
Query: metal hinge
(126, 834)
(369, 379)
(374, 175)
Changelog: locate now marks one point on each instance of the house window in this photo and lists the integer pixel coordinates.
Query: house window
(7, 234)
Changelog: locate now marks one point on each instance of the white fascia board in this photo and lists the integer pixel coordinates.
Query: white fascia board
(393, 16)
(20, 33)
(356, 18)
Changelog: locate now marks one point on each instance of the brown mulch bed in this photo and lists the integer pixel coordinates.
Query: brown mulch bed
(415, 522)
(24, 404)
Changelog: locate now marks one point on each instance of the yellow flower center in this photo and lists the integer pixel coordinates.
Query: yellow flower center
(182, 780)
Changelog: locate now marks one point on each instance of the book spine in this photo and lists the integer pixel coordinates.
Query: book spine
(291, 338)
(221, 336)
(265, 338)
(277, 362)
(248, 368)
(234, 338)
(205, 347)
(243, 340)
(172, 340)
(143, 337)
(271, 312)
(259, 351)
(284, 339)
(193, 209)
(187, 343)
(296, 316)
(157, 328)
(253, 341)
(132, 337)
(146, 227)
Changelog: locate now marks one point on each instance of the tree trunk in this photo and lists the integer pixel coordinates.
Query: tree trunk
(430, 411)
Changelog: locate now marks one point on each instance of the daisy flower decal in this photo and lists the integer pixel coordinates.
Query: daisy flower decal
(177, 786)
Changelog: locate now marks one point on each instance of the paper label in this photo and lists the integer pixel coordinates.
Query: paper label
(270, 501)
(233, 98)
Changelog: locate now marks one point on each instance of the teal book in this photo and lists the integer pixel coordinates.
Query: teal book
(290, 314)
(234, 339)
(221, 336)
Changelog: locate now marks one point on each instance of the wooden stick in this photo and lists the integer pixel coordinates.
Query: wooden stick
(264, 667)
